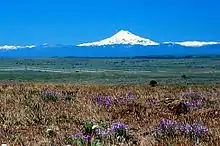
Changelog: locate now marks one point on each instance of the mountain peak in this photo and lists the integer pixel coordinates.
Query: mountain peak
(122, 37)
(123, 32)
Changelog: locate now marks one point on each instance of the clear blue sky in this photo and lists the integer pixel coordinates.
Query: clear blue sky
(77, 21)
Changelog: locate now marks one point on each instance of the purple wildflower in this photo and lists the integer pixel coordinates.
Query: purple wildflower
(181, 128)
(167, 127)
(107, 101)
(119, 130)
(188, 128)
(193, 99)
(78, 135)
(87, 138)
(196, 131)
(118, 125)
(131, 96)
(199, 130)
(166, 124)
(154, 101)
(100, 100)
(192, 95)
(171, 128)
(102, 132)
(194, 103)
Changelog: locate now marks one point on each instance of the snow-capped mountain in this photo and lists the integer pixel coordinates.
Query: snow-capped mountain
(122, 37)
(122, 44)
(192, 43)
(11, 47)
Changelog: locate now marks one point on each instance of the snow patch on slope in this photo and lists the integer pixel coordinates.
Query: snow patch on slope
(122, 37)
(11, 47)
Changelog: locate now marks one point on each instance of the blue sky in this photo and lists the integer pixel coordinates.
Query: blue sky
(76, 21)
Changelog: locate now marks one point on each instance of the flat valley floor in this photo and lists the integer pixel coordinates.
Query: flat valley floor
(112, 70)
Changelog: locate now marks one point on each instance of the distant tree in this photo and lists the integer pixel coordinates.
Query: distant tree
(183, 76)
(153, 83)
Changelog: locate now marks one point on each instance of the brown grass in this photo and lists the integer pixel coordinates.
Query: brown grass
(25, 117)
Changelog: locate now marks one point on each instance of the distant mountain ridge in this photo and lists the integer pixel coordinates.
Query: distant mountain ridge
(128, 38)
(111, 51)
(122, 44)
(122, 37)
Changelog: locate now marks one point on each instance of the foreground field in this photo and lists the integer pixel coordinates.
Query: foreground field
(43, 114)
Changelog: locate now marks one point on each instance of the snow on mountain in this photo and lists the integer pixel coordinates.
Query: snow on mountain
(122, 37)
(11, 47)
(193, 43)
